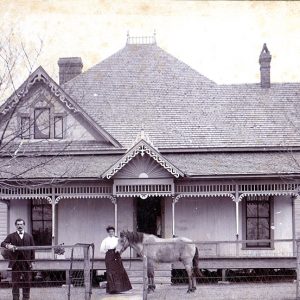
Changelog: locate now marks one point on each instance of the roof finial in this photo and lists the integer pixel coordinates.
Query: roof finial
(128, 37)
(265, 49)
(142, 135)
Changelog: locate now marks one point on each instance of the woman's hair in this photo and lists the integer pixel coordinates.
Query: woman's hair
(108, 228)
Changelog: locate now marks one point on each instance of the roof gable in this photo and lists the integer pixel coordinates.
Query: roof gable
(58, 94)
(143, 148)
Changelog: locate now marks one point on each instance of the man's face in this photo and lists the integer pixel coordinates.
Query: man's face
(111, 232)
(20, 225)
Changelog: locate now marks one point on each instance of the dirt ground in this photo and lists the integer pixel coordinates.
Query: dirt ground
(276, 291)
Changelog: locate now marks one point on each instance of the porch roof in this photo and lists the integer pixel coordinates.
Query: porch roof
(192, 164)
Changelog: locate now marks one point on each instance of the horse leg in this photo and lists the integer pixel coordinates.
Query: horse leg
(196, 272)
(150, 273)
(194, 282)
(190, 275)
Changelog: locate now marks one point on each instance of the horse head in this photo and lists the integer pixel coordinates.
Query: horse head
(128, 238)
(123, 242)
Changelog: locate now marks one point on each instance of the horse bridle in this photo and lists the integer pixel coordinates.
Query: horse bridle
(130, 256)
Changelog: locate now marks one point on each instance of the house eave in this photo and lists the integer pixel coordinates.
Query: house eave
(229, 149)
(245, 176)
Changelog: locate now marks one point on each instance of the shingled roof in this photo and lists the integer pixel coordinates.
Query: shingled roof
(180, 108)
(143, 86)
(260, 164)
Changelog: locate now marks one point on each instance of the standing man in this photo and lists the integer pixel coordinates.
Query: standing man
(20, 260)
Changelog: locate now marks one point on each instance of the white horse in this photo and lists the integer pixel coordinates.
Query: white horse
(163, 251)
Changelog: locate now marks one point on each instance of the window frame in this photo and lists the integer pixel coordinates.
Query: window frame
(269, 198)
(43, 220)
(62, 127)
(34, 123)
(22, 133)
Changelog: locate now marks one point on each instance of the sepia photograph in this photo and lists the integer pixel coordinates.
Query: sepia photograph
(149, 150)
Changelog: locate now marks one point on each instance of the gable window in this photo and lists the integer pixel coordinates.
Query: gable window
(42, 123)
(258, 220)
(58, 127)
(41, 218)
(25, 127)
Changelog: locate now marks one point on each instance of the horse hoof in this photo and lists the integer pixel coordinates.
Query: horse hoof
(189, 291)
(194, 289)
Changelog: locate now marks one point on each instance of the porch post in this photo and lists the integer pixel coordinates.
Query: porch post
(174, 201)
(53, 222)
(237, 218)
(237, 200)
(53, 202)
(293, 198)
(296, 225)
(115, 203)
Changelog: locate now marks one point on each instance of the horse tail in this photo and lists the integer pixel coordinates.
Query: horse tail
(197, 272)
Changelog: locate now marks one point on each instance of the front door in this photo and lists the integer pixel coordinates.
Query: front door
(149, 215)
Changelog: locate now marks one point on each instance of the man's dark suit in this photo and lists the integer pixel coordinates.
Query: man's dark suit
(20, 262)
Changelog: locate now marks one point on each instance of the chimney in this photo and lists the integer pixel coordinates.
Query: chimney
(265, 66)
(69, 67)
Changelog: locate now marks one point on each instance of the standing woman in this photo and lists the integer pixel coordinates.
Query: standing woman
(117, 278)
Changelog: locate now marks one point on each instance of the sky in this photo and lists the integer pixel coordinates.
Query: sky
(220, 39)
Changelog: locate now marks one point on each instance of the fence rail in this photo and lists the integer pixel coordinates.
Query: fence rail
(277, 267)
(76, 279)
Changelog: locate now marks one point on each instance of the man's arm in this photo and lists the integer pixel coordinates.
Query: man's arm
(7, 243)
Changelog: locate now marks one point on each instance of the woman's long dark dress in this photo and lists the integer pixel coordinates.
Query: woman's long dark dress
(117, 278)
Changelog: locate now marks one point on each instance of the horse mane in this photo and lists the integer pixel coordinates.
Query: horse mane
(133, 237)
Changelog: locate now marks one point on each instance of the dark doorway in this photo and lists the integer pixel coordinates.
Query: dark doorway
(148, 215)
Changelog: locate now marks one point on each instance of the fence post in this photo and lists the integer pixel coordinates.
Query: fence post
(87, 272)
(145, 278)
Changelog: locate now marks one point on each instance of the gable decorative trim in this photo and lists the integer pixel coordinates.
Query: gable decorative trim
(142, 148)
(38, 76)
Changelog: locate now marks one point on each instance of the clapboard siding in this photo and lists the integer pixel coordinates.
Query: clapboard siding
(297, 216)
(3, 221)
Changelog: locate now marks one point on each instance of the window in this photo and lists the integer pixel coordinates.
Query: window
(25, 127)
(41, 217)
(258, 220)
(58, 127)
(42, 123)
